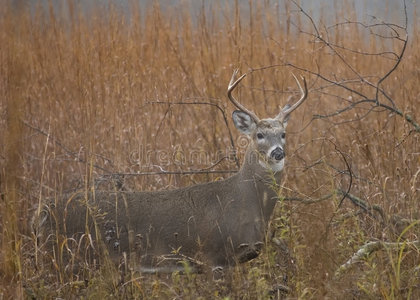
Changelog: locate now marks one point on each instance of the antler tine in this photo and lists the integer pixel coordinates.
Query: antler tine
(304, 93)
(231, 87)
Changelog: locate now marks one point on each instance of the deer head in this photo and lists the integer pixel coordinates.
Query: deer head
(268, 136)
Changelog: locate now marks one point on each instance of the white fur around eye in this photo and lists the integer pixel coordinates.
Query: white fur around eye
(260, 138)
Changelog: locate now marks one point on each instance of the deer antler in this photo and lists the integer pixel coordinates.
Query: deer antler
(231, 87)
(304, 94)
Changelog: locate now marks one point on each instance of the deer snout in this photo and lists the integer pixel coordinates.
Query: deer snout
(277, 153)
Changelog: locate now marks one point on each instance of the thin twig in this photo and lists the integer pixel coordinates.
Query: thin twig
(62, 146)
(163, 172)
(362, 204)
(222, 111)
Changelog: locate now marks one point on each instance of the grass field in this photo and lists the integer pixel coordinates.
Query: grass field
(85, 98)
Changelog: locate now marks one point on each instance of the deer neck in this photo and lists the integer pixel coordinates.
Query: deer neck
(258, 184)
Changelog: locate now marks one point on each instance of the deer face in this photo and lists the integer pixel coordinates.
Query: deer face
(268, 138)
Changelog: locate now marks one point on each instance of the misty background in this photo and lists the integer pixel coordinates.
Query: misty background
(367, 11)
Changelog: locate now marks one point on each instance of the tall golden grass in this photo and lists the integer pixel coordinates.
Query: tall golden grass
(86, 96)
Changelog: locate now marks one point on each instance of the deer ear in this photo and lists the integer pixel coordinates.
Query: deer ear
(243, 122)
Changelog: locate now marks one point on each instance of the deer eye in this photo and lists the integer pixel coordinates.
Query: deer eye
(283, 135)
(260, 136)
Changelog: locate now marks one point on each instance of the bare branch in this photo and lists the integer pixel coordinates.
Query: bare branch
(343, 84)
(362, 204)
(66, 149)
(367, 249)
(163, 172)
(222, 111)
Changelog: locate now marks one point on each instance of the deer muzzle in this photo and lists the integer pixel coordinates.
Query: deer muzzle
(277, 154)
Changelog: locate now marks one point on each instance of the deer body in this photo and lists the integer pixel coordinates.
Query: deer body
(217, 224)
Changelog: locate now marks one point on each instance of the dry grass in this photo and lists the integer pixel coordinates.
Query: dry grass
(86, 90)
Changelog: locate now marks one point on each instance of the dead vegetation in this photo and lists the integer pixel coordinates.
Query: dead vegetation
(111, 97)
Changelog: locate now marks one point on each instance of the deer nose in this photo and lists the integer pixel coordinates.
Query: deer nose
(277, 153)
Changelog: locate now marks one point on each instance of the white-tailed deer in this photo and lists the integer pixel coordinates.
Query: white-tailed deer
(214, 224)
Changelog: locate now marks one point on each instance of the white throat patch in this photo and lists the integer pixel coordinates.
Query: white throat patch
(275, 167)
